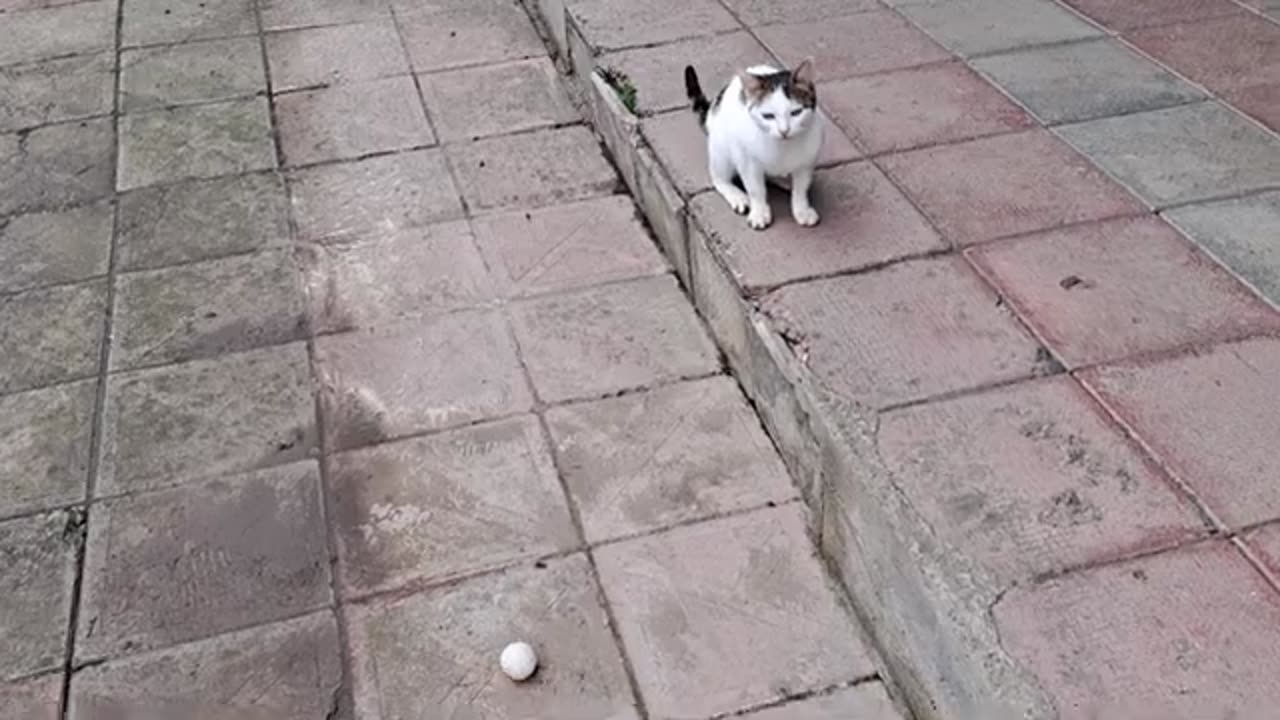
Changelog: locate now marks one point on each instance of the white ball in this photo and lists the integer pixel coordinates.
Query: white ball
(519, 661)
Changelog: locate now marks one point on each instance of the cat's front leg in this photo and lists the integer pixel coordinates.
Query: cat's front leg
(759, 216)
(801, 209)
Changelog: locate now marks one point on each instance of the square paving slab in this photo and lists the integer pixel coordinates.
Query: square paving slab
(612, 338)
(201, 219)
(192, 562)
(1085, 80)
(1105, 291)
(648, 460)
(522, 95)
(323, 56)
(36, 586)
(1033, 479)
(408, 274)
(156, 77)
(51, 335)
(924, 106)
(434, 654)
(401, 379)
(693, 602)
(1222, 453)
(351, 120)
(855, 45)
(1006, 185)
(548, 167)
(55, 165)
(866, 221)
(1187, 634)
(38, 93)
(195, 142)
(906, 332)
(974, 27)
(434, 508)
(1240, 233)
(44, 446)
(234, 413)
(375, 196)
(286, 671)
(566, 246)
(51, 248)
(1182, 154)
(613, 24)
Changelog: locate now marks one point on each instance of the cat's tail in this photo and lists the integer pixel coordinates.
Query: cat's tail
(701, 105)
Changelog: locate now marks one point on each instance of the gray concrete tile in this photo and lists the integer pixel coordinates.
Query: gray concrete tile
(50, 248)
(1241, 234)
(195, 142)
(208, 308)
(51, 91)
(44, 446)
(771, 12)
(1181, 154)
(566, 246)
(1083, 81)
(971, 27)
(285, 14)
(51, 335)
(201, 220)
(350, 120)
(865, 701)
(285, 671)
(55, 165)
(613, 24)
(77, 29)
(532, 169)
(343, 53)
(416, 376)
(33, 698)
(493, 99)
(148, 22)
(441, 35)
(611, 338)
(36, 578)
(693, 602)
(433, 508)
(650, 460)
(449, 668)
(715, 58)
(192, 562)
(373, 197)
(407, 274)
(235, 413)
(168, 75)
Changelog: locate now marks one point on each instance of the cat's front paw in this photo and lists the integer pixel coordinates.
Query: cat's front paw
(739, 206)
(805, 216)
(760, 217)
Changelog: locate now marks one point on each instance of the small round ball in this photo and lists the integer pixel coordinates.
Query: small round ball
(519, 661)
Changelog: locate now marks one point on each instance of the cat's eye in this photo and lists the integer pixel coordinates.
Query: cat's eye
(796, 112)
(767, 116)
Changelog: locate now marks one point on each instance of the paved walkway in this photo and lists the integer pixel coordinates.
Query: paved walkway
(1049, 266)
(330, 362)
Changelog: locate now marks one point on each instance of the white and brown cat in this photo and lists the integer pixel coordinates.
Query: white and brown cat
(763, 125)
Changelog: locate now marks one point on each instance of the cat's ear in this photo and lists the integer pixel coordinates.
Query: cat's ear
(804, 73)
(752, 84)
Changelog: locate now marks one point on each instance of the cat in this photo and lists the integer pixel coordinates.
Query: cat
(764, 124)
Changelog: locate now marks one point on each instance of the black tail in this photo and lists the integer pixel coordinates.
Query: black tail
(701, 105)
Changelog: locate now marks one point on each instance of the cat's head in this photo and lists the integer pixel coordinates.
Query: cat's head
(783, 102)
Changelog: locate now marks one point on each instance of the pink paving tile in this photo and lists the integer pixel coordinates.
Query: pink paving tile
(1006, 185)
(923, 106)
(566, 246)
(1186, 634)
(681, 145)
(864, 43)
(1130, 14)
(656, 72)
(611, 24)
(865, 222)
(1264, 544)
(1211, 418)
(1108, 290)
(1237, 56)
(907, 332)
(1032, 478)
